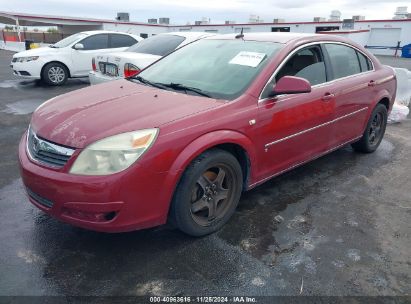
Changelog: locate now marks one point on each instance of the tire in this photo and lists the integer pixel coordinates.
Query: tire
(374, 132)
(207, 194)
(54, 74)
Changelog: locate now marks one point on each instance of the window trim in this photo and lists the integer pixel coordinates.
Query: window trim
(320, 43)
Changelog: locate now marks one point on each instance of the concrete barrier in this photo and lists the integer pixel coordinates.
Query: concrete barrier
(16, 46)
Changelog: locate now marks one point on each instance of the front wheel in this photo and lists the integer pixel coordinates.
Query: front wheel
(54, 74)
(208, 193)
(374, 132)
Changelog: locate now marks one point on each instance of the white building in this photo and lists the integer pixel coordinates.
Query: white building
(379, 36)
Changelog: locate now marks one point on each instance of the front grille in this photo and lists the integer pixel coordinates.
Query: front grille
(39, 199)
(108, 68)
(14, 60)
(46, 152)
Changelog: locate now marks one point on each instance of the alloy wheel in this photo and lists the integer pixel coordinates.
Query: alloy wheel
(376, 128)
(56, 74)
(212, 194)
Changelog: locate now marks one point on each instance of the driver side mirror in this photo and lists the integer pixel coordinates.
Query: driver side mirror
(78, 46)
(291, 85)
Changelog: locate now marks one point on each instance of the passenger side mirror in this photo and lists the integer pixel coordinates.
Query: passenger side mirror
(78, 46)
(291, 85)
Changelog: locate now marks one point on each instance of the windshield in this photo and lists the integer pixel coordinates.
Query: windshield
(160, 45)
(69, 40)
(222, 69)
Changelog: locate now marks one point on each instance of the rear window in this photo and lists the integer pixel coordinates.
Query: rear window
(365, 63)
(119, 40)
(159, 45)
(95, 42)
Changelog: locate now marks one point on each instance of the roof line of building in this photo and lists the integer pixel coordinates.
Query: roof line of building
(23, 15)
(65, 18)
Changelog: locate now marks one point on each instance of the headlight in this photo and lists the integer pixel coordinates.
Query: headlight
(27, 59)
(113, 154)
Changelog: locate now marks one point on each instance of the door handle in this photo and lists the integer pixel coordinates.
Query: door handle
(327, 96)
(371, 83)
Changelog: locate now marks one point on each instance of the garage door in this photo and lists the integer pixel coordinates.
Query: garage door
(384, 37)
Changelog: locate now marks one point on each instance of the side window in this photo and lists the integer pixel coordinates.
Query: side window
(344, 60)
(119, 40)
(307, 63)
(365, 63)
(95, 42)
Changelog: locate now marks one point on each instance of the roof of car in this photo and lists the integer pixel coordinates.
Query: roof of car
(279, 37)
(105, 32)
(190, 35)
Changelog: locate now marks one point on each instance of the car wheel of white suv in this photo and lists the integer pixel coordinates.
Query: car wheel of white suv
(54, 74)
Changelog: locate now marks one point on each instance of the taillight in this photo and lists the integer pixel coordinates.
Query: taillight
(93, 64)
(130, 70)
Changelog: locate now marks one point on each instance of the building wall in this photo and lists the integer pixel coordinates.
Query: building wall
(381, 39)
(149, 30)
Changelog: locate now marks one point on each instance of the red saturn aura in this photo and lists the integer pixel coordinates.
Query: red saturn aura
(184, 138)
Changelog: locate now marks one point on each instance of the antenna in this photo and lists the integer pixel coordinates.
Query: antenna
(241, 35)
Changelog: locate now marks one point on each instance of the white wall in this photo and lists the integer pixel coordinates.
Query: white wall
(361, 38)
(135, 29)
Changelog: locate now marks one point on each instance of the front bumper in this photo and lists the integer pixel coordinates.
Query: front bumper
(31, 69)
(97, 78)
(125, 201)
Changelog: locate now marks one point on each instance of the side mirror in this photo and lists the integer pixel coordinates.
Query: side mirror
(78, 46)
(291, 85)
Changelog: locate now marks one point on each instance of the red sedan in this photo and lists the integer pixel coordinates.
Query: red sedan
(183, 139)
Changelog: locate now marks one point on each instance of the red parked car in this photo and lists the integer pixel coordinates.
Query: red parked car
(184, 138)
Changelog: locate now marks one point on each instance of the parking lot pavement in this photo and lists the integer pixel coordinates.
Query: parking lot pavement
(337, 226)
(398, 62)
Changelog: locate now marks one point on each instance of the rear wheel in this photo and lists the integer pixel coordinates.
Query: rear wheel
(54, 74)
(207, 194)
(374, 132)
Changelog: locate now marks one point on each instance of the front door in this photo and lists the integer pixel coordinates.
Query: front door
(295, 128)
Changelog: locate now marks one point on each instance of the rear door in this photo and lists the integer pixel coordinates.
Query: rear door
(93, 45)
(294, 128)
(353, 87)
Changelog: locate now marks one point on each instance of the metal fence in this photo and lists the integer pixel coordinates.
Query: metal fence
(37, 37)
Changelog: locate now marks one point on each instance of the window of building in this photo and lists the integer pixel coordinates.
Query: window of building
(280, 29)
(326, 28)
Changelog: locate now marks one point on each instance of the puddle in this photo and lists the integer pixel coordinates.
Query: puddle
(23, 107)
(14, 83)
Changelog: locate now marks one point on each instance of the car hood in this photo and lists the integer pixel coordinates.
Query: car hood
(37, 52)
(81, 117)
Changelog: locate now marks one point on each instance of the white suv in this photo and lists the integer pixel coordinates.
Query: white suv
(70, 57)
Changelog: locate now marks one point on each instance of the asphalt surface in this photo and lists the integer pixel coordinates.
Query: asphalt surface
(337, 226)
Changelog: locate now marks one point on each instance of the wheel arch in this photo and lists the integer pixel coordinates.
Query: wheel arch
(231, 141)
(55, 61)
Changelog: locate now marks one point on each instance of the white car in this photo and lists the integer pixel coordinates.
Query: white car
(70, 57)
(107, 67)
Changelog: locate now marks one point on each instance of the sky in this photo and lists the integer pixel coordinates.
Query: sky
(183, 11)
